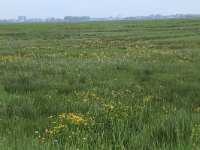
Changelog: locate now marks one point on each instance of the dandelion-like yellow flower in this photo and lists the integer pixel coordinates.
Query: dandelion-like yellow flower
(194, 145)
(75, 118)
(197, 109)
(85, 99)
(108, 106)
(63, 115)
(50, 117)
(148, 98)
(124, 114)
(60, 126)
(93, 94)
(7, 58)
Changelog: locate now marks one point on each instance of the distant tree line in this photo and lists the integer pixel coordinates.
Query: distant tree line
(76, 19)
(86, 18)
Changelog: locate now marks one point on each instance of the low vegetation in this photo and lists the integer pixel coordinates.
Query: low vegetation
(100, 85)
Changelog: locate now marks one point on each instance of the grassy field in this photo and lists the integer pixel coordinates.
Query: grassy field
(123, 85)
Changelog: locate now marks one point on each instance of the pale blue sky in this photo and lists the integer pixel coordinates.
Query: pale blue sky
(95, 8)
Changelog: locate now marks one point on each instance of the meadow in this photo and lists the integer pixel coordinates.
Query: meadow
(121, 85)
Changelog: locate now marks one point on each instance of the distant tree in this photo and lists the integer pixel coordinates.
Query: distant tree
(21, 18)
(76, 19)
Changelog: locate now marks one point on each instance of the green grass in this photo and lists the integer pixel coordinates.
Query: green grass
(100, 85)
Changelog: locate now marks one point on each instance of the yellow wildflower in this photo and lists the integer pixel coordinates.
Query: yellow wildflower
(63, 115)
(148, 98)
(7, 58)
(50, 117)
(108, 106)
(85, 99)
(93, 94)
(194, 145)
(60, 126)
(75, 117)
(124, 114)
(197, 109)
(72, 117)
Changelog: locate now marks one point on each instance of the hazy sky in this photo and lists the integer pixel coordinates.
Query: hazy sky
(95, 8)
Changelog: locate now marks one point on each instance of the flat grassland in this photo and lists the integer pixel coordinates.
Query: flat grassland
(100, 85)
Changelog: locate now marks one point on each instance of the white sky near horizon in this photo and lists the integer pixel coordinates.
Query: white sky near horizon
(11, 9)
